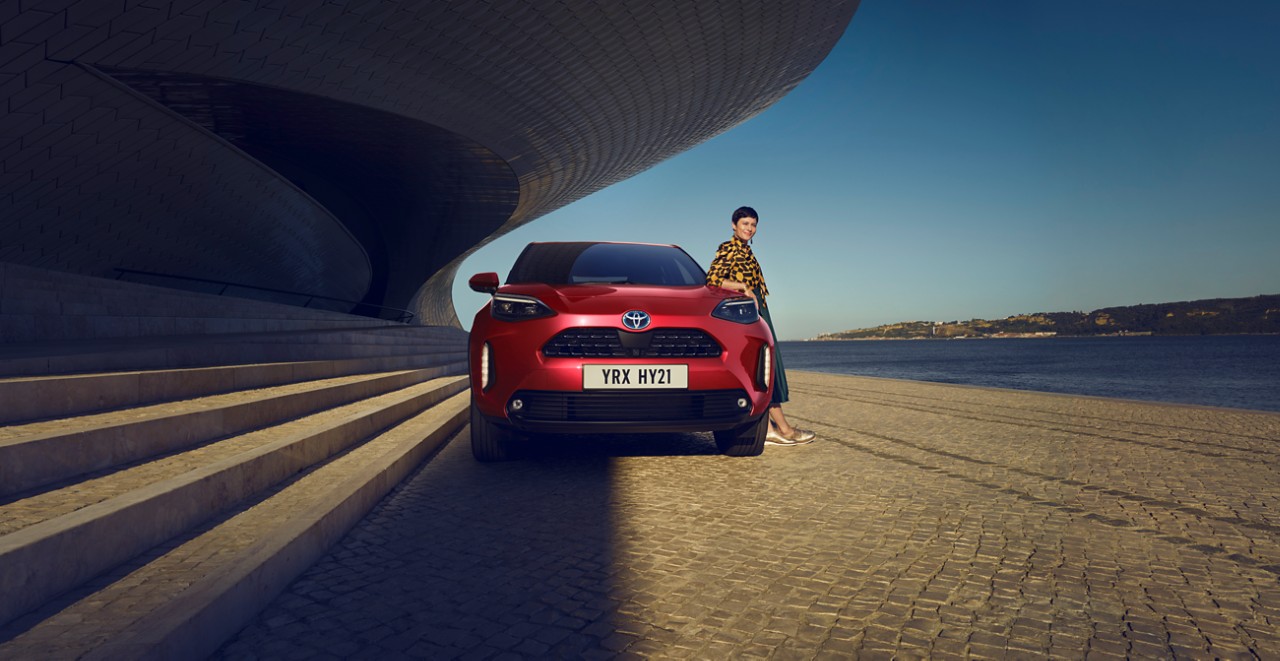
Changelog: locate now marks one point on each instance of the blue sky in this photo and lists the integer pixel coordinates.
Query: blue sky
(952, 160)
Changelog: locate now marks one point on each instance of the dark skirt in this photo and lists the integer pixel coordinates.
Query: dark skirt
(780, 394)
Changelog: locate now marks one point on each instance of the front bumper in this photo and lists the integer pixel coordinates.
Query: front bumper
(517, 364)
(628, 411)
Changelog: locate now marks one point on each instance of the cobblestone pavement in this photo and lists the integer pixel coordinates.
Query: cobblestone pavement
(927, 521)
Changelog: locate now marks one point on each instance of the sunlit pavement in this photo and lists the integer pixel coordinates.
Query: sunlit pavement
(927, 520)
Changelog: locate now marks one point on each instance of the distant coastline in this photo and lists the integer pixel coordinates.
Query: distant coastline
(1256, 315)
(1241, 371)
(994, 336)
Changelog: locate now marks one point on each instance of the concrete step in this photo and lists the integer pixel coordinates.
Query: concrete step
(154, 302)
(202, 350)
(33, 326)
(34, 398)
(52, 542)
(183, 599)
(255, 441)
(39, 453)
(38, 305)
(333, 334)
(41, 287)
(399, 334)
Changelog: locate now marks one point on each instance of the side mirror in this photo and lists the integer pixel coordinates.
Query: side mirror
(485, 283)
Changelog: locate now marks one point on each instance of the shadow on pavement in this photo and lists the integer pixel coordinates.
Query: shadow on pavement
(560, 447)
(474, 559)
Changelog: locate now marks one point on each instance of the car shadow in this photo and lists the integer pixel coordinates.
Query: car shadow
(464, 558)
(556, 447)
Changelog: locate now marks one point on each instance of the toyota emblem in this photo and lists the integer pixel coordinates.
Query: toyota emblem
(636, 320)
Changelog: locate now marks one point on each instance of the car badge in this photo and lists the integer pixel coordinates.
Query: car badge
(636, 319)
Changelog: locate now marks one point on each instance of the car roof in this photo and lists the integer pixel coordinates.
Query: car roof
(616, 243)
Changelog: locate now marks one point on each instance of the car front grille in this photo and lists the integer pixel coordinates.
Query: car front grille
(613, 343)
(585, 343)
(628, 407)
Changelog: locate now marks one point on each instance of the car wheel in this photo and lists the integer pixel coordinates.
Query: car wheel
(489, 442)
(744, 441)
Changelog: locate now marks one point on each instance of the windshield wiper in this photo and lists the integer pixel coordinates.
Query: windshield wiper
(605, 280)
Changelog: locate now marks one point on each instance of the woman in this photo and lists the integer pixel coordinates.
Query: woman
(735, 268)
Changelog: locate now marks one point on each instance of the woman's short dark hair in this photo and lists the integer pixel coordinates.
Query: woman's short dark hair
(744, 212)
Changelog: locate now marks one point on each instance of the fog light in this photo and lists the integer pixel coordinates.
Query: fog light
(517, 404)
(743, 403)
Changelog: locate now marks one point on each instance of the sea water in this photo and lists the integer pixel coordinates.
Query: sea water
(1239, 371)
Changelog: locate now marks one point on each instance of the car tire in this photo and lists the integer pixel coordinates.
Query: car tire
(743, 441)
(489, 442)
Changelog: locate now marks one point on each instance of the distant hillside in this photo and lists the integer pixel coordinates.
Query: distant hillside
(1218, 316)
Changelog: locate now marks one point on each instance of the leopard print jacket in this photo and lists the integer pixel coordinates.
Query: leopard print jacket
(735, 261)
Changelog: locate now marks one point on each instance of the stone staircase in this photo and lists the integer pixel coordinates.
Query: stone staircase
(156, 491)
(41, 305)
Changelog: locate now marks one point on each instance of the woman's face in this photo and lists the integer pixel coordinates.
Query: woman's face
(745, 228)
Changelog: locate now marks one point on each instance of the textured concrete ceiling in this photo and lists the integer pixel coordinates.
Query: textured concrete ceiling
(357, 150)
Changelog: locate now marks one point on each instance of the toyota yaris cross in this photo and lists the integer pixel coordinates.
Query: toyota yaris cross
(615, 337)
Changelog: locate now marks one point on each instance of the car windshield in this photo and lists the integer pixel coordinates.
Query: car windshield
(605, 263)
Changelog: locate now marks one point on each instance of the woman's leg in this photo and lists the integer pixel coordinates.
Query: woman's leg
(781, 394)
(779, 421)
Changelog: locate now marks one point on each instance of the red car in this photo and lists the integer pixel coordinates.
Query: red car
(615, 337)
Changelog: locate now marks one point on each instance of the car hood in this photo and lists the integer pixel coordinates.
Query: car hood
(611, 299)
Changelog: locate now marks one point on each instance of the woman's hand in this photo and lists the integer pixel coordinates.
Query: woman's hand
(734, 285)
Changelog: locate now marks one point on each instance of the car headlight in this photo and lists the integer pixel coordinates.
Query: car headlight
(739, 310)
(509, 307)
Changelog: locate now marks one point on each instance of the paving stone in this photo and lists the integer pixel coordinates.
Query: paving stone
(927, 521)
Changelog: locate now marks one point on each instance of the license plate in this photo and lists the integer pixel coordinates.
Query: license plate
(635, 377)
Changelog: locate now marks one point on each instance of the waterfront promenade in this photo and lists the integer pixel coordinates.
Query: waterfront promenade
(928, 521)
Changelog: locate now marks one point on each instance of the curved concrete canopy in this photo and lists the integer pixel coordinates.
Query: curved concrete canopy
(411, 193)
(358, 150)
